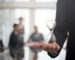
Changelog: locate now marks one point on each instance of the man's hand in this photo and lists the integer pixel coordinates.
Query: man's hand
(29, 42)
(36, 45)
(50, 47)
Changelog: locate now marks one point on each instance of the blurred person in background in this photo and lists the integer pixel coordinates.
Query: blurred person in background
(16, 44)
(21, 26)
(2, 48)
(21, 32)
(36, 38)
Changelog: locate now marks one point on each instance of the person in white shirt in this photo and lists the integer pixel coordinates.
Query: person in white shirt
(21, 26)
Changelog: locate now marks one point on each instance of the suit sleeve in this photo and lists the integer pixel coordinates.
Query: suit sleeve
(11, 40)
(61, 29)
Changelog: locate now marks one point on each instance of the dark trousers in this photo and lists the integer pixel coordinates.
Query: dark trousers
(19, 54)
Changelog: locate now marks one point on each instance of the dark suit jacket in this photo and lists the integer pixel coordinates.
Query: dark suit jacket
(16, 41)
(65, 21)
(13, 40)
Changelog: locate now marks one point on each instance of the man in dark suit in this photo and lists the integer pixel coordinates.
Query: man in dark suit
(16, 44)
(65, 21)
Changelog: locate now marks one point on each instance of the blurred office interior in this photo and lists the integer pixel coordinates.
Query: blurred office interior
(35, 12)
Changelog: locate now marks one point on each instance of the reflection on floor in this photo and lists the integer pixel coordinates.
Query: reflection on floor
(41, 56)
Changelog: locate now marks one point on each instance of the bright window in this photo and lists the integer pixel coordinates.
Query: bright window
(25, 14)
(22, 0)
(42, 16)
(14, 0)
(45, 0)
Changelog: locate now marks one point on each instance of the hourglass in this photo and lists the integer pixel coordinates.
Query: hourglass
(51, 25)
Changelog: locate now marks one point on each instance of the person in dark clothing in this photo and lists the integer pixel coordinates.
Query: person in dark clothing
(65, 22)
(2, 48)
(16, 44)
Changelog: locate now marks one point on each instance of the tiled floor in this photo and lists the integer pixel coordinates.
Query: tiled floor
(41, 56)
